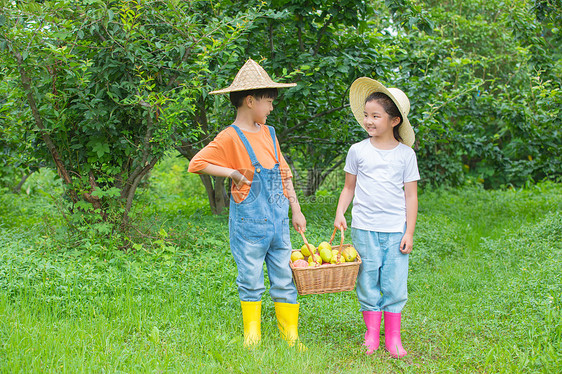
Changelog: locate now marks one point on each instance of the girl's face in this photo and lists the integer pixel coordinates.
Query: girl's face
(377, 122)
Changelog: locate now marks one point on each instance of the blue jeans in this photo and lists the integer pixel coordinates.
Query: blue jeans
(259, 232)
(383, 275)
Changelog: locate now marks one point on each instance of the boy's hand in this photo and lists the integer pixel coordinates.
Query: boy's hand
(239, 179)
(407, 243)
(299, 222)
(340, 222)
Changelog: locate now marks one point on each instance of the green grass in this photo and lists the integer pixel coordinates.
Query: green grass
(484, 291)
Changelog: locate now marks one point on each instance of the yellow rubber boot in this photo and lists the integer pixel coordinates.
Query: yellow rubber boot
(251, 316)
(288, 322)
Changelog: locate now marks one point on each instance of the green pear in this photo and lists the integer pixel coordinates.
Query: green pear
(307, 251)
(325, 254)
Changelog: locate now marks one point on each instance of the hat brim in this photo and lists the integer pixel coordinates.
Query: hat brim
(252, 87)
(361, 89)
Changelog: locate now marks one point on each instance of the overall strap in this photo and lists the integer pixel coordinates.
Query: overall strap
(246, 143)
(272, 132)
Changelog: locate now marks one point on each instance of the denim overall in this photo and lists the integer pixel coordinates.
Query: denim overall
(259, 231)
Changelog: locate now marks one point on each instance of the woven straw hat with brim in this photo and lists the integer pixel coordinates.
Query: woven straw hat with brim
(252, 77)
(363, 87)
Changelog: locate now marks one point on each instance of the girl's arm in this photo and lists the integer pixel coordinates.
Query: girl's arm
(221, 171)
(411, 194)
(299, 222)
(346, 197)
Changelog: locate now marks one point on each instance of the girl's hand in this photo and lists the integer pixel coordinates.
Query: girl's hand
(340, 222)
(407, 243)
(299, 222)
(239, 179)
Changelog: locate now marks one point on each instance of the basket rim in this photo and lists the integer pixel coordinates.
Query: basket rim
(323, 266)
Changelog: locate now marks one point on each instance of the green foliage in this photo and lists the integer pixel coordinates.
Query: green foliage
(36, 207)
(16, 146)
(483, 83)
(483, 79)
(549, 13)
(485, 93)
(180, 193)
(107, 85)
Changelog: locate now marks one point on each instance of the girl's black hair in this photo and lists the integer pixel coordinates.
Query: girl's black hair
(237, 97)
(390, 108)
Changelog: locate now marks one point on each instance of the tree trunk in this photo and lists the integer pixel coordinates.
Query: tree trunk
(298, 182)
(215, 186)
(61, 168)
(133, 188)
(315, 177)
(17, 189)
(313, 181)
(216, 193)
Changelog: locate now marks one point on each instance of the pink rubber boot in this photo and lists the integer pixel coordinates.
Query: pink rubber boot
(373, 323)
(392, 340)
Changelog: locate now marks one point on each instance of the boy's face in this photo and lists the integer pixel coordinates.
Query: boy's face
(260, 108)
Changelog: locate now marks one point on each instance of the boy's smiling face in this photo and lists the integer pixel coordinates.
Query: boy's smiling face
(260, 108)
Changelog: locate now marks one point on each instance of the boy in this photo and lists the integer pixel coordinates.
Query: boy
(262, 190)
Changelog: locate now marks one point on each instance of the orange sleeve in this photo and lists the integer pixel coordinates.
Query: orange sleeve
(228, 150)
(213, 153)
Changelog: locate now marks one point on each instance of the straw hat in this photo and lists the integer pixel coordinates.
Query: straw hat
(252, 77)
(363, 87)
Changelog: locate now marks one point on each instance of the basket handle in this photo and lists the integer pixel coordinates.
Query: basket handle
(342, 239)
(334, 235)
(308, 246)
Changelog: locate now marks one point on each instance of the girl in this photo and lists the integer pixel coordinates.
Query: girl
(381, 179)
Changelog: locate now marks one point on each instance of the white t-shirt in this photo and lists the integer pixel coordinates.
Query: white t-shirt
(379, 203)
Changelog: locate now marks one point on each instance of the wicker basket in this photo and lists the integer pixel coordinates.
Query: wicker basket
(327, 278)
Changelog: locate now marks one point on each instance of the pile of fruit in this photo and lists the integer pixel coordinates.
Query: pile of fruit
(324, 255)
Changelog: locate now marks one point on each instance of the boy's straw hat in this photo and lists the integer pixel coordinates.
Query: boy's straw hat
(252, 77)
(363, 87)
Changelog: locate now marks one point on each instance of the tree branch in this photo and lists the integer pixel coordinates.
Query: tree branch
(305, 122)
(128, 185)
(17, 189)
(436, 109)
(186, 149)
(148, 134)
(271, 47)
(94, 200)
(321, 34)
(330, 170)
(26, 83)
(299, 35)
(133, 188)
(190, 48)
(297, 179)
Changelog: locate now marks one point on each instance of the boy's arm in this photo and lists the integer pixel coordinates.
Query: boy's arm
(221, 171)
(411, 194)
(299, 222)
(346, 197)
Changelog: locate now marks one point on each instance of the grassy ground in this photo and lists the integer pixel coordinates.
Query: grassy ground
(484, 287)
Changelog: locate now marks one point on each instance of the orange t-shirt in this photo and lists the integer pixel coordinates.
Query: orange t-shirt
(227, 150)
